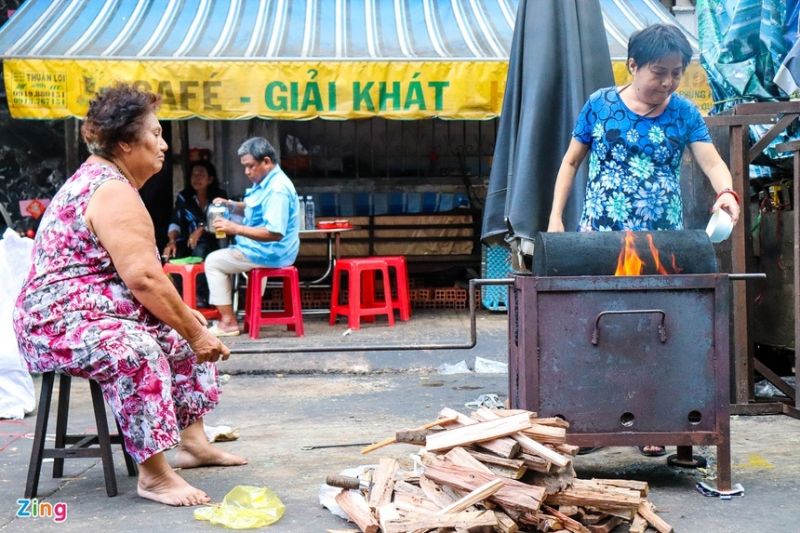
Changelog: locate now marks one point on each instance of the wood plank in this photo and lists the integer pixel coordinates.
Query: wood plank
(477, 495)
(465, 519)
(504, 447)
(479, 432)
(383, 482)
(391, 440)
(513, 495)
(567, 449)
(356, 508)
(648, 512)
(405, 501)
(606, 501)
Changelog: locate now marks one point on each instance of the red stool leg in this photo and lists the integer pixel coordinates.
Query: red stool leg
(403, 293)
(368, 293)
(387, 289)
(337, 274)
(254, 297)
(296, 308)
(354, 298)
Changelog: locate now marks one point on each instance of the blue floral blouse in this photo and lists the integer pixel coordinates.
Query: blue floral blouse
(635, 161)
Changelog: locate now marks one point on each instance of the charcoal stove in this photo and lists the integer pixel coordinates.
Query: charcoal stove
(627, 360)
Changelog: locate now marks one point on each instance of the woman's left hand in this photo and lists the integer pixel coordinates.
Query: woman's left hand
(728, 203)
(195, 237)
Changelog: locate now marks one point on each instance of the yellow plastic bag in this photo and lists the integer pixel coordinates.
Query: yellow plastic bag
(244, 507)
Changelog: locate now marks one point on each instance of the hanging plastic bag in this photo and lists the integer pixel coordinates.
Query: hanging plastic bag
(244, 507)
(16, 387)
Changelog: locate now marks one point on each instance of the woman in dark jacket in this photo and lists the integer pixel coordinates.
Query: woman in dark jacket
(187, 230)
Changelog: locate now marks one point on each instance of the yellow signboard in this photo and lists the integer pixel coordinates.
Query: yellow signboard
(277, 90)
(694, 84)
(229, 90)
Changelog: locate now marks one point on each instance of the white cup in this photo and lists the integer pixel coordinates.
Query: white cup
(719, 226)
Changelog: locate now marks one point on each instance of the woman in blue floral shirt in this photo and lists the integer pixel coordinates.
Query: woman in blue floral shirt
(636, 135)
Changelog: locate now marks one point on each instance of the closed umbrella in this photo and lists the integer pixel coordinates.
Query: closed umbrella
(559, 56)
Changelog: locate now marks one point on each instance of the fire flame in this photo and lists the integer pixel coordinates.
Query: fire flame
(630, 264)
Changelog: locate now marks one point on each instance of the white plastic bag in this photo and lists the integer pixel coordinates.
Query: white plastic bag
(489, 366)
(16, 387)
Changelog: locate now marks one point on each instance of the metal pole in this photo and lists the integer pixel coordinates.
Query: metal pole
(473, 334)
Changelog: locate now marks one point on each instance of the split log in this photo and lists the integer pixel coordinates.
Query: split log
(525, 442)
(479, 432)
(513, 494)
(434, 492)
(391, 440)
(356, 508)
(513, 468)
(504, 523)
(477, 495)
(407, 502)
(504, 447)
(535, 463)
(648, 512)
(569, 523)
(461, 457)
(465, 520)
(639, 524)
(383, 482)
(640, 486)
(567, 449)
(615, 503)
(607, 525)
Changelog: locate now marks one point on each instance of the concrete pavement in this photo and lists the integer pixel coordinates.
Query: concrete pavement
(282, 404)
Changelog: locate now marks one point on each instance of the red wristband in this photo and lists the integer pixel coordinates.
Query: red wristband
(731, 192)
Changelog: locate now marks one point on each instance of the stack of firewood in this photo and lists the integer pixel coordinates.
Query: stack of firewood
(494, 470)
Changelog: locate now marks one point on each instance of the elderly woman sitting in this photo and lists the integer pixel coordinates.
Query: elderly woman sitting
(97, 305)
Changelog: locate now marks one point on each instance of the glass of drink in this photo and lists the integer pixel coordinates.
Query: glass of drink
(216, 211)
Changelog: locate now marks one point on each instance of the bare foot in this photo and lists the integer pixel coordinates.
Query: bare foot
(171, 489)
(192, 455)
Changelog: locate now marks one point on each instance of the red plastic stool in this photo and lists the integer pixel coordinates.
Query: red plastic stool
(188, 274)
(291, 315)
(359, 269)
(403, 301)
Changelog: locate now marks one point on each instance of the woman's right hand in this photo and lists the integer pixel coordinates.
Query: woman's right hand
(556, 225)
(207, 346)
(170, 250)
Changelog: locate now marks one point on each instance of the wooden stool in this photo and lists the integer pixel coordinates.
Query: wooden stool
(188, 275)
(403, 301)
(292, 313)
(359, 269)
(80, 443)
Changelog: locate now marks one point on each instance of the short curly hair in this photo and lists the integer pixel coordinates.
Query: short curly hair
(115, 115)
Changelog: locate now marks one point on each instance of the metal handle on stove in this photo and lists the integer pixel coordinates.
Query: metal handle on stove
(662, 328)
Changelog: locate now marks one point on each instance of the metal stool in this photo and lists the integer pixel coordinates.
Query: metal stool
(80, 443)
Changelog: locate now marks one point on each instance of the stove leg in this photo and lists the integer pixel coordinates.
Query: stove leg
(685, 459)
(724, 465)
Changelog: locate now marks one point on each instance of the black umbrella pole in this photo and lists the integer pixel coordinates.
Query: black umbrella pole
(473, 334)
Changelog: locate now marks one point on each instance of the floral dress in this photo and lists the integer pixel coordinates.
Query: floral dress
(634, 164)
(75, 315)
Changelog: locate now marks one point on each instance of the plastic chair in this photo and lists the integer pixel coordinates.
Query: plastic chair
(292, 313)
(360, 271)
(400, 281)
(188, 274)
